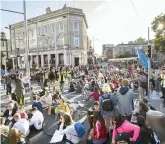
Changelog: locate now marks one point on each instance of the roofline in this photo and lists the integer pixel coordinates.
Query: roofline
(133, 44)
(57, 13)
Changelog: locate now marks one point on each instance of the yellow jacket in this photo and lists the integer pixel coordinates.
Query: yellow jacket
(64, 108)
(63, 77)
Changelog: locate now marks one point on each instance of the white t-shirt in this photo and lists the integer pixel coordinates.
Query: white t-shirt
(48, 100)
(37, 120)
(70, 132)
(23, 126)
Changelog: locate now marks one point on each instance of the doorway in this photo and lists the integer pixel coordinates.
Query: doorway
(76, 61)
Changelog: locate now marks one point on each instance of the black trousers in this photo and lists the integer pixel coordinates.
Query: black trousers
(163, 92)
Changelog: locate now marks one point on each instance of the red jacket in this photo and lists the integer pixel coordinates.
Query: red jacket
(95, 95)
(99, 131)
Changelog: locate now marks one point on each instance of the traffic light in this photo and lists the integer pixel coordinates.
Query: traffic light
(149, 51)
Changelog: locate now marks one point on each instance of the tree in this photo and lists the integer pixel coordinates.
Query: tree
(140, 40)
(159, 40)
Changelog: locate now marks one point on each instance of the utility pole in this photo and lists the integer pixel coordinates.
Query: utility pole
(149, 65)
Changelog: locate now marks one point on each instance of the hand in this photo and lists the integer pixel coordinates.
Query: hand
(131, 139)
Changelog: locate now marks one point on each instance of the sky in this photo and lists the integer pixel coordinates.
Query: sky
(110, 21)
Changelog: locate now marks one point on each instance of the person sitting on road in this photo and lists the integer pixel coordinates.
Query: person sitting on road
(4, 131)
(67, 128)
(63, 106)
(9, 113)
(98, 133)
(124, 126)
(22, 112)
(71, 89)
(37, 119)
(31, 94)
(37, 103)
(95, 94)
(78, 88)
(21, 124)
(16, 137)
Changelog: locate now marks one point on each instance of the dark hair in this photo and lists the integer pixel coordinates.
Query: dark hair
(143, 107)
(119, 120)
(34, 109)
(93, 83)
(35, 97)
(141, 121)
(98, 117)
(95, 88)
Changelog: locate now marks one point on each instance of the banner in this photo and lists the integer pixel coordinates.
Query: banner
(142, 58)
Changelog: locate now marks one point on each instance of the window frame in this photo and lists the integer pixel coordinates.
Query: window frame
(74, 26)
(76, 38)
(61, 30)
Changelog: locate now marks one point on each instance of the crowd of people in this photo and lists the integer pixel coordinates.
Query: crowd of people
(114, 117)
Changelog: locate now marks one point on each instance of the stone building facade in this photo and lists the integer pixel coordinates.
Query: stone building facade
(57, 37)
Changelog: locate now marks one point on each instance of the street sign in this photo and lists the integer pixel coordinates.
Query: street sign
(17, 52)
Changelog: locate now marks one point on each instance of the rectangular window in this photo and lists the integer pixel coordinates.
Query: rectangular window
(45, 30)
(62, 41)
(53, 28)
(76, 41)
(75, 26)
(61, 27)
(38, 31)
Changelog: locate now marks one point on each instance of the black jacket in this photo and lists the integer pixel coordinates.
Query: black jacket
(6, 113)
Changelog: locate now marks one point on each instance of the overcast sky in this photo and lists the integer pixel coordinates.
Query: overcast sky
(110, 21)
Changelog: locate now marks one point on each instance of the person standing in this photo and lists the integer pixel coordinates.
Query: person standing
(163, 84)
(62, 80)
(20, 90)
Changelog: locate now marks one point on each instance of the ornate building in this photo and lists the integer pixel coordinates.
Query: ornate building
(57, 37)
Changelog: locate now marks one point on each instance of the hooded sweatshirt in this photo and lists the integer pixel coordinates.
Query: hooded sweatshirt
(125, 101)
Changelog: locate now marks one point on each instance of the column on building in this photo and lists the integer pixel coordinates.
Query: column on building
(48, 60)
(31, 61)
(70, 58)
(42, 60)
(57, 59)
(13, 59)
(18, 60)
(65, 58)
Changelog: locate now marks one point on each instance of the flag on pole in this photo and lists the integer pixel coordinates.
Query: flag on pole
(142, 58)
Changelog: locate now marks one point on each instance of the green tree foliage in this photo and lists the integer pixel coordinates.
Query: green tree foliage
(159, 40)
(140, 40)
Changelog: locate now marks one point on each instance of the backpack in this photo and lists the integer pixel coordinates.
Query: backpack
(154, 138)
(80, 129)
(107, 104)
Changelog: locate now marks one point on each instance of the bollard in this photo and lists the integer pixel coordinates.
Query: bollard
(156, 120)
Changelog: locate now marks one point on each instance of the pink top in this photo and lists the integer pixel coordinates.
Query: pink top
(127, 127)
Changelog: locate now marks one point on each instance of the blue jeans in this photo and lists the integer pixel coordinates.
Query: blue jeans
(99, 141)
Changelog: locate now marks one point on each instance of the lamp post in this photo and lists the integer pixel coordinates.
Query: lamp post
(25, 31)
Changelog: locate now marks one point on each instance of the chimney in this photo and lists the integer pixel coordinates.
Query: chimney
(48, 10)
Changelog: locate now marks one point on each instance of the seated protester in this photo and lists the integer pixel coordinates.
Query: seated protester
(148, 104)
(71, 87)
(146, 133)
(42, 93)
(67, 128)
(107, 106)
(143, 109)
(9, 113)
(13, 96)
(4, 131)
(122, 138)
(63, 106)
(21, 124)
(36, 120)
(124, 126)
(91, 86)
(31, 94)
(37, 104)
(16, 137)
(95, 94)
(78, 88)
(48, 99)
(99, 135)
(22, 112)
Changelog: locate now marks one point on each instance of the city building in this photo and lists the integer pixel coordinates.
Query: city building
(105, 47)
(5, 47)
(128, 50)
(54, 38)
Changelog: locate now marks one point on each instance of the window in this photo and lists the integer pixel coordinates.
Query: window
(53, 28)
(38, 31)
(45, 30)
(19, 35)
(76, 41)
(75, 26)
(61, 27)
(61, 41)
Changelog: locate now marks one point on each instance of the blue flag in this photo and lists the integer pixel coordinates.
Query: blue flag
(142, 58)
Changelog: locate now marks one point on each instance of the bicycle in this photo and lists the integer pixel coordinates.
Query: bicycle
(78, 113)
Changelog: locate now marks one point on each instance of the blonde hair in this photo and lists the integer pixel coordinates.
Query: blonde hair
(106, 88)
(125, 82)
(15, 135)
